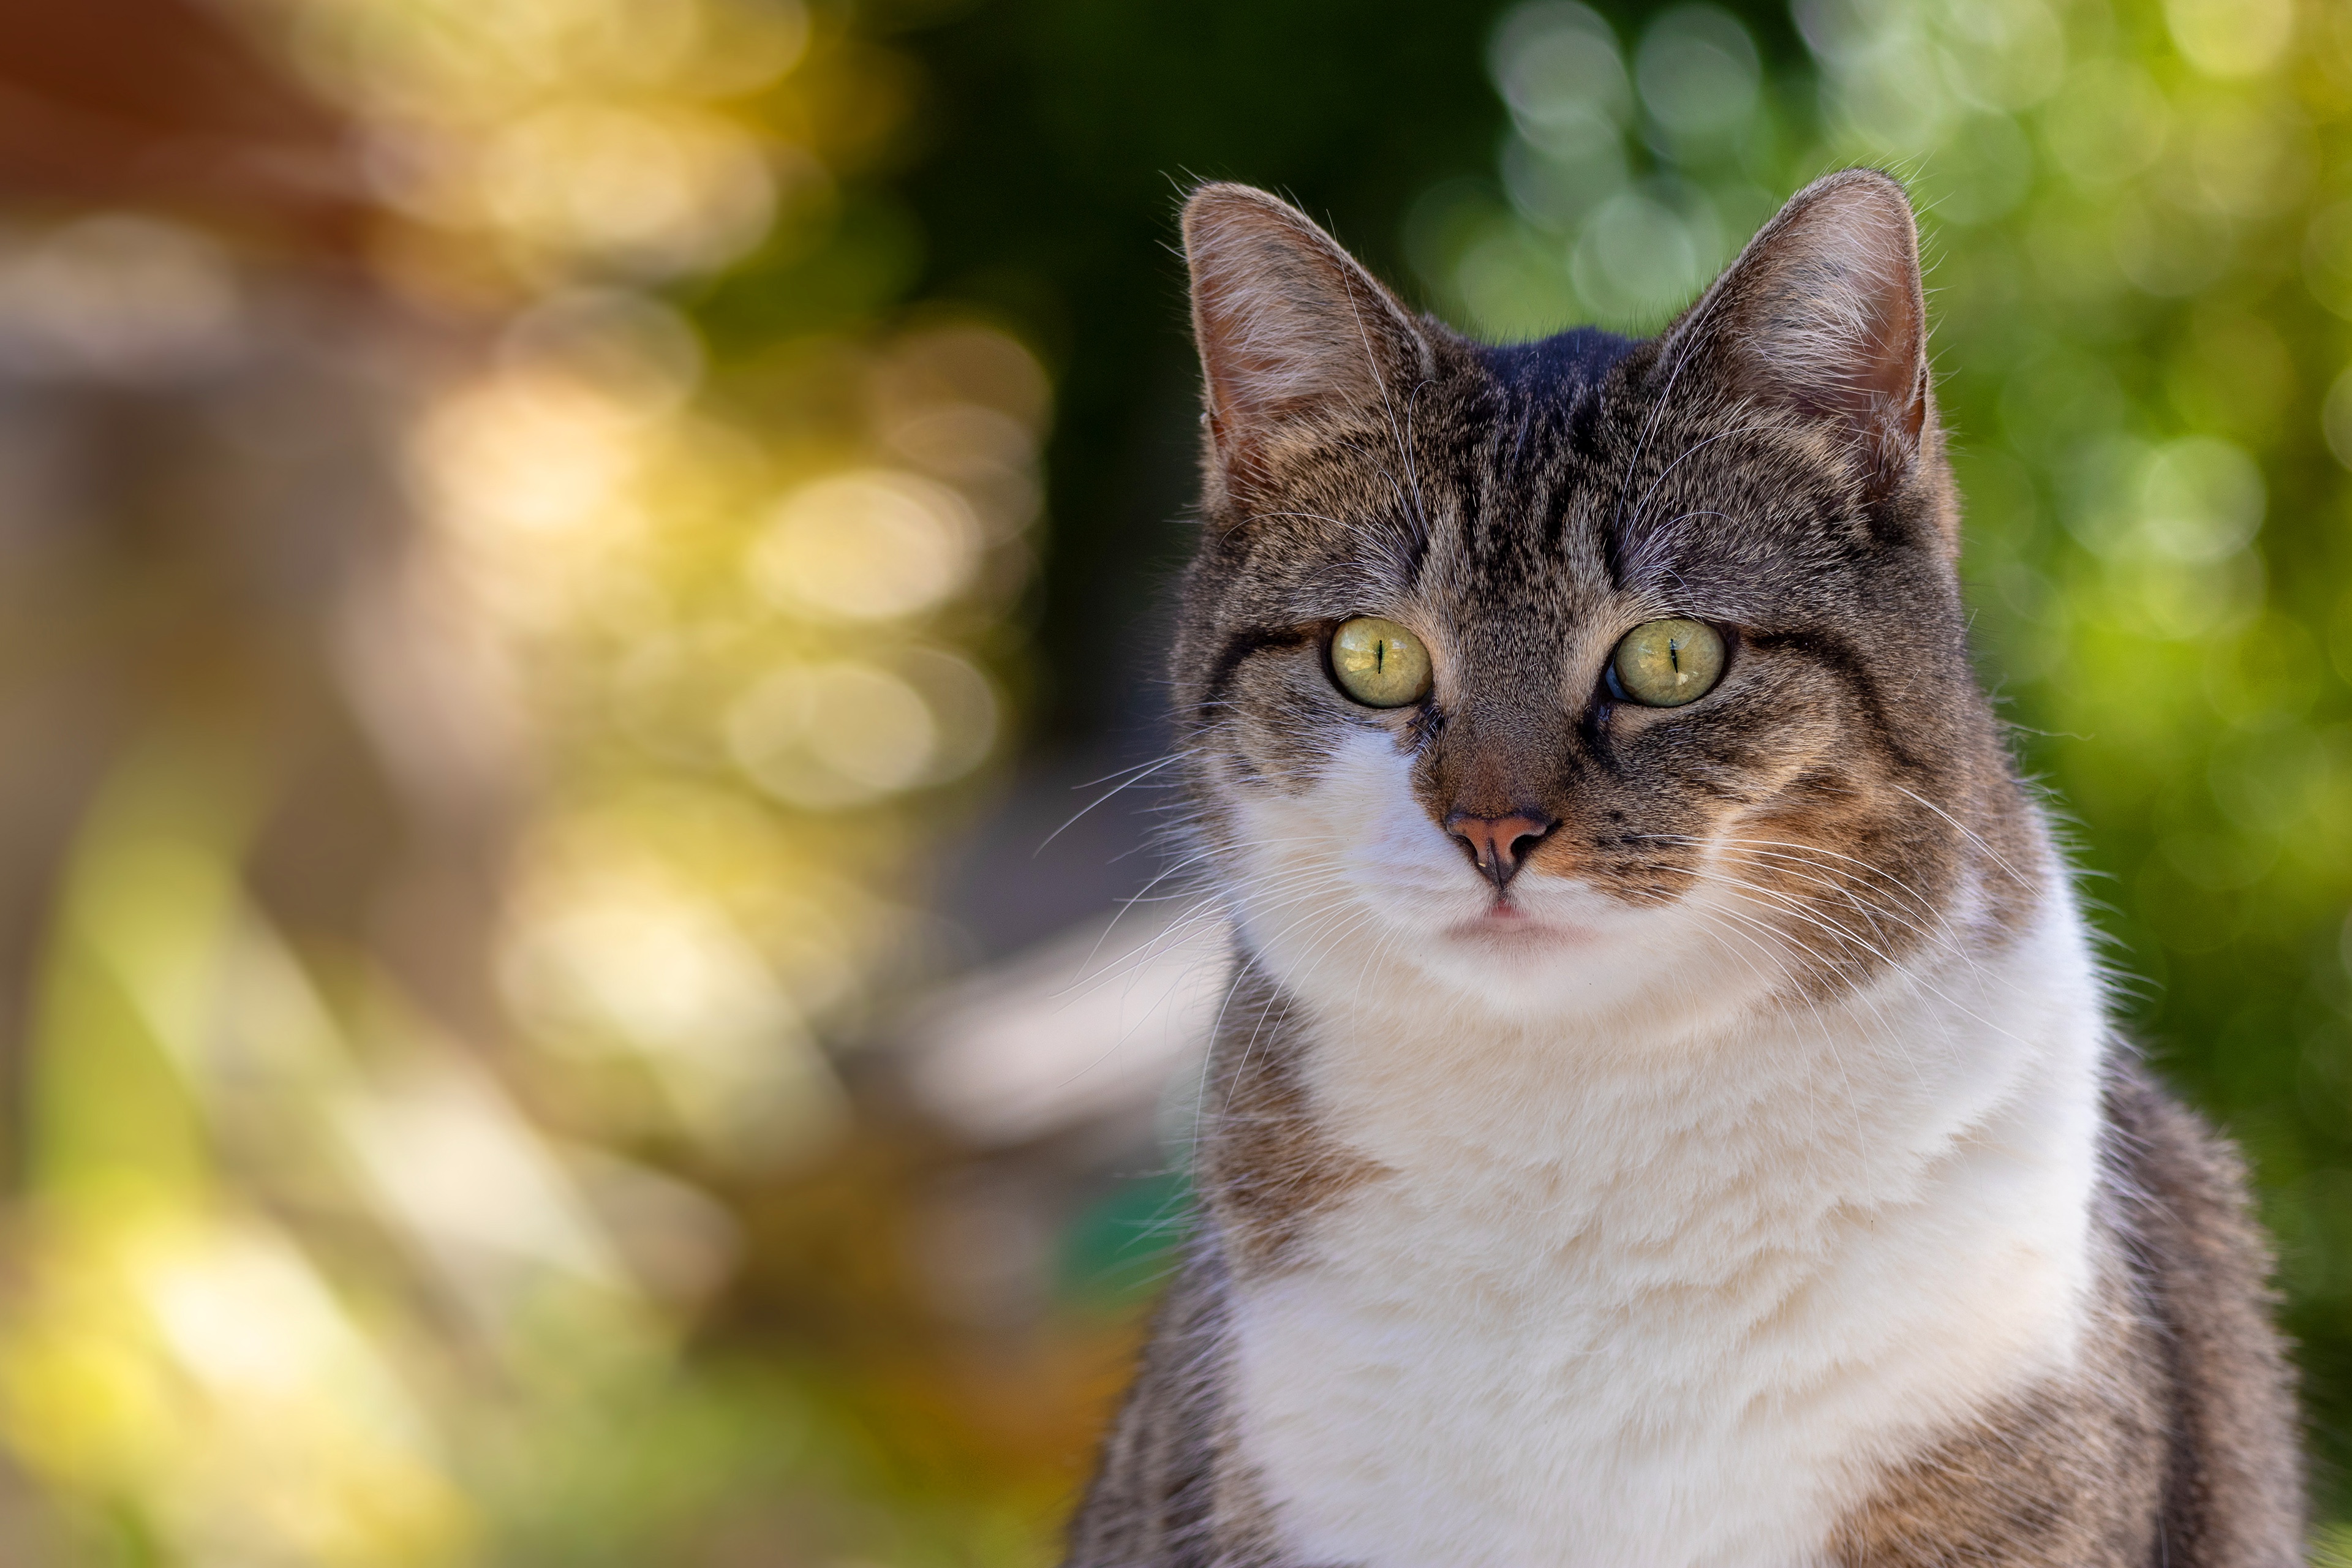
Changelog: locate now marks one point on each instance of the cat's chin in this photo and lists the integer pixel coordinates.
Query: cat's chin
(1555, 951)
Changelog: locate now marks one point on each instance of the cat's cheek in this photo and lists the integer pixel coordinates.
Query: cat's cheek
(1349, 874)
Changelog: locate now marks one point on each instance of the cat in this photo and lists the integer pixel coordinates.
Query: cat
(1664, 1114)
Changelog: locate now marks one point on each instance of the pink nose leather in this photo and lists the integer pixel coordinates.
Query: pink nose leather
(1499, 845)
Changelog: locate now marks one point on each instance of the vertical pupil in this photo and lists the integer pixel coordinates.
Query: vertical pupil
(1674, 655)
(1380, 656)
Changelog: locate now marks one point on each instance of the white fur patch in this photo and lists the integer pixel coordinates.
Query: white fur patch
(1662, 1274)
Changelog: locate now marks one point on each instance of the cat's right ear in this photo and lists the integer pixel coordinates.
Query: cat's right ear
(1823, 315)
(1291, 330)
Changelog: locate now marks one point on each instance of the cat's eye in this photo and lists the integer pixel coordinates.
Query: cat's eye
(1379, 663)
(1665, 664)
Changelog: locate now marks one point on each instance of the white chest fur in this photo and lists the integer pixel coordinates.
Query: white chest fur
(1671, 1303)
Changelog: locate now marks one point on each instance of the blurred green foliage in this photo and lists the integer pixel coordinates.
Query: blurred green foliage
(463, 1177)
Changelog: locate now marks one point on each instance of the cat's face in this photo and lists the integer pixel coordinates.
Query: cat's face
(1588, 673)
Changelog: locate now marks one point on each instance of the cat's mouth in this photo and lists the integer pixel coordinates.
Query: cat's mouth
(1505, 924)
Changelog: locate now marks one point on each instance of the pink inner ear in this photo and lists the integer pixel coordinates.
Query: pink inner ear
(1286, 321)
(1255, 320)
(1890, 368)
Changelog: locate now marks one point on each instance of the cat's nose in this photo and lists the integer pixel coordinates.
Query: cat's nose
(1499, 846)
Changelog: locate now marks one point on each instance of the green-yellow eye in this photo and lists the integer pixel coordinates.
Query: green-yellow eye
(1379, 663)
(1665, 664)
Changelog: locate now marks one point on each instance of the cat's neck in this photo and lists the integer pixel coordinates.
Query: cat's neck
(1810, 1100)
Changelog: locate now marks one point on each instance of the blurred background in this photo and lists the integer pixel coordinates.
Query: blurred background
(583, 973)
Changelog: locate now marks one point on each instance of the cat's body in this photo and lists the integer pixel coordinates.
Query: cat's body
(1653, 1137)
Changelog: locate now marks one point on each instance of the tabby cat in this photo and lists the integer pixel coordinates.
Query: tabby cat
(1664, 1112)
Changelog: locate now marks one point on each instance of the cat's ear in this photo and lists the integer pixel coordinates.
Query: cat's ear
(1823, 313)
(1290, 328)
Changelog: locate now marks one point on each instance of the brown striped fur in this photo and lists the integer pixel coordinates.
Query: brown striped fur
(1266, 1163)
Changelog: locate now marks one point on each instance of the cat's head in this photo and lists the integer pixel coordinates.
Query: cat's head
(1586, 673)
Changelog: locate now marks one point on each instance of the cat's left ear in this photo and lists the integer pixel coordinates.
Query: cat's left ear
(1823, 314)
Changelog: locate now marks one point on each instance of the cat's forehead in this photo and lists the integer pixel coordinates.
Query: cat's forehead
(1485, 501)
(1518, 465)
(1539, 486)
